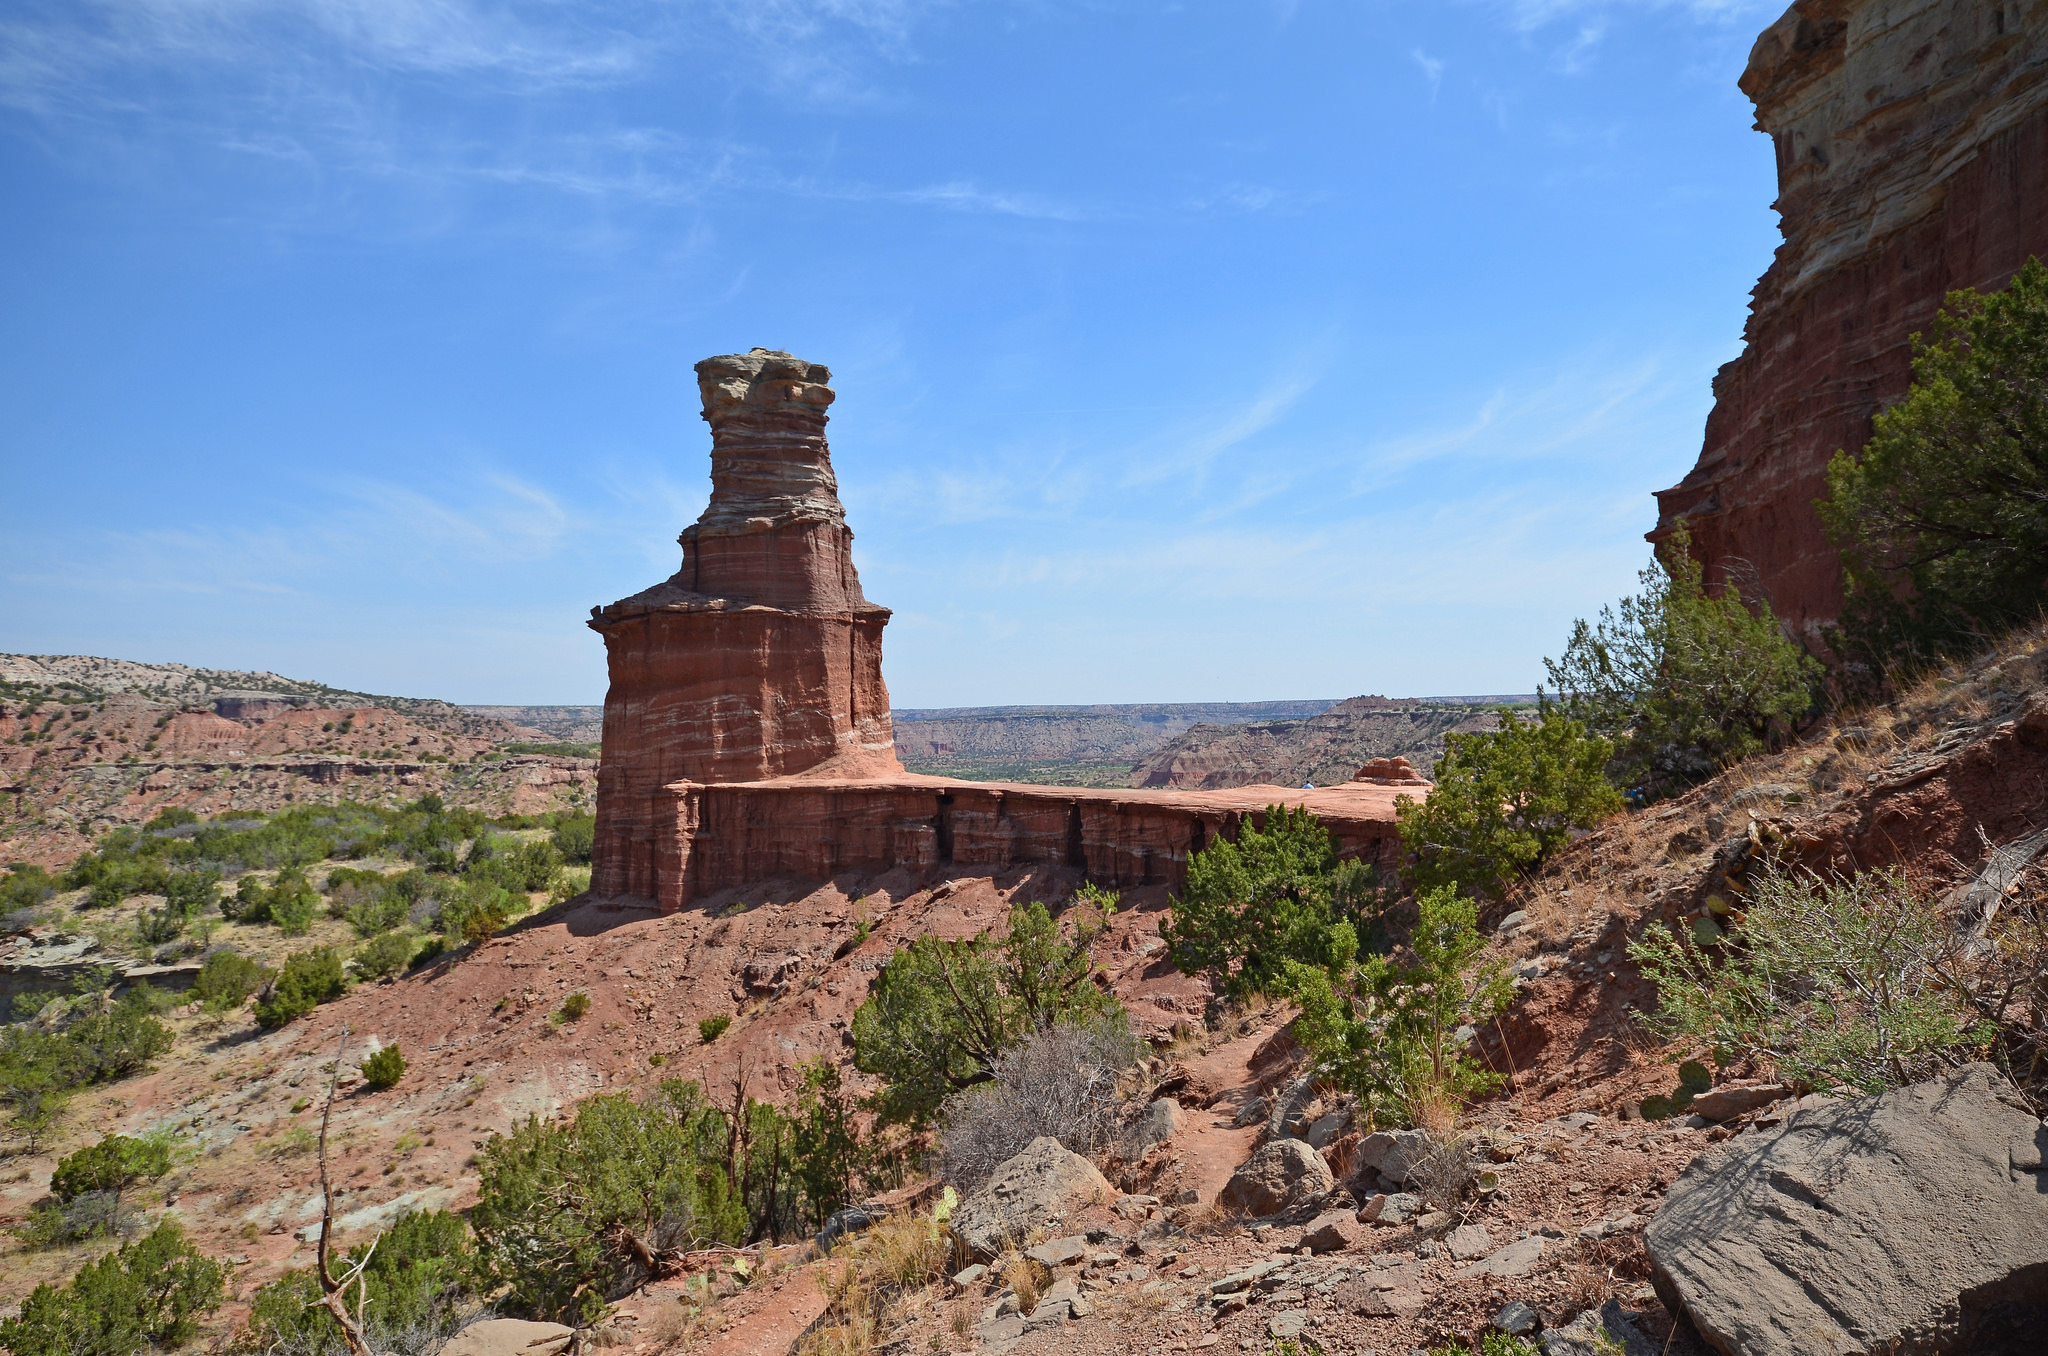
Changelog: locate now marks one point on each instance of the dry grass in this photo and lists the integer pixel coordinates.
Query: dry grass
(670, 1325)
(879, 1282)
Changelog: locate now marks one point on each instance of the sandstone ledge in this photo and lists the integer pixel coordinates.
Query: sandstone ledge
(708, 837)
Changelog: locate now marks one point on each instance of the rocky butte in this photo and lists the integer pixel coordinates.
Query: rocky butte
(746, 728)
(1912, 150)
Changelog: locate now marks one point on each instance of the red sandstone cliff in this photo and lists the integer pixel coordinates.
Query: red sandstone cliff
(760, 657)
(1912, 147)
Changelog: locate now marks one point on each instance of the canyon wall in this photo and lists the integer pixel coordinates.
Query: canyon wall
(717, 837)
(1325, 749)
(1912, 151)
(760, 657)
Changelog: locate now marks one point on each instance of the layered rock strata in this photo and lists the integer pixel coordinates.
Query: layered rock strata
(760, 657)
(714, 837)
(1912, 152)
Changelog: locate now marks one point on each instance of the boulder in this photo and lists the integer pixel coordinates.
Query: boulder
(1334, 1231)
(1285, 1173)
(1156, 1124)
(509, 1337)
(1390, 1153)
(1916, 1220)
(1045, 1183)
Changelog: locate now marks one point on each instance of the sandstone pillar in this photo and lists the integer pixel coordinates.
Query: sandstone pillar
(760, 657)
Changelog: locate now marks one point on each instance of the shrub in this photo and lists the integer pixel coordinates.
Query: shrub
(1857, 981)
(711, 1028)
(574, 1008)
(512, 865)
(415, 1293)
(227, 979)
(383, 1068)
(385, 954)
(63, 1224)
(308, 979)
(292, 903)
(570, 1215)
(1942, 521)
(250, 903)
(1505, 800)
(575, 836)
(1061, 1082)
(1395, 1034)
(24, 887)
(191, 892)
(39, 1070)
(155, 927)
(942, 1013)
(473, 910)
(1269, 896)
(148, 1293)
(1683, 683)
(112, 1165)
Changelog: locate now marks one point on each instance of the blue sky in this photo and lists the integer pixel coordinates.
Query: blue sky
(1184, 351)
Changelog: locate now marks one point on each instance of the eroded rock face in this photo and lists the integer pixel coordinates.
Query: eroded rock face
(1916, 1221)
(1912, 147)
(760, 657)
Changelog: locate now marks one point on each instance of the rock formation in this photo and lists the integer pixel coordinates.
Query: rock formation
(760, 657)
(1914, 1221)
(1323, 750)
(1912, 148)
(1390, 772)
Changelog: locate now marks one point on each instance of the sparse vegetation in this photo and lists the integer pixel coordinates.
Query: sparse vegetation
(39, 1070)
(711, 1028)
(385, 954)
(943, 1013)
(574, 1008)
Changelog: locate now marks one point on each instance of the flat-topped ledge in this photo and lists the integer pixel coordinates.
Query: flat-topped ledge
(708, 837)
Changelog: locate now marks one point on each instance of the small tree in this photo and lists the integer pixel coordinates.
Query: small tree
(569, 1216)
(1396, 1034)
(1681, 681)
(1271, 895)
(943, 1012)
(383, 1068)
(1942, 520)
(1505, 800)
(309, 978)
(149, 1293)
(112, 1166)
(227, 979)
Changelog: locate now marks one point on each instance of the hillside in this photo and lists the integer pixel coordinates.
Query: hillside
(1325, 748)
(88, 744)
(1061, 745)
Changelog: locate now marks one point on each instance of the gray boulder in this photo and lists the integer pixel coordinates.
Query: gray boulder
(1156, 1124)
(1390, 1153)
(1605, 1331)
(1915, 1221)
(1043, 1185)
(1283, 1174)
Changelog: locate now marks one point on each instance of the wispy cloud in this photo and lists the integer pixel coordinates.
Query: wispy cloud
(1432, 70)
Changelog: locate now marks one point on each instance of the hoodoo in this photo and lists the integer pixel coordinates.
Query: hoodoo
(760, 657)
(1912, 141)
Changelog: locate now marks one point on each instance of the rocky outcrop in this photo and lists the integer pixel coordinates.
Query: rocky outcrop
(1915, 1221)
(1323, 750)
(1912, 149)
(1390, 772)
(710, 838)
(760, 657)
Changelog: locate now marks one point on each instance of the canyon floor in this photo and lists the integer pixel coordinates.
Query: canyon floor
(1580, 1171)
